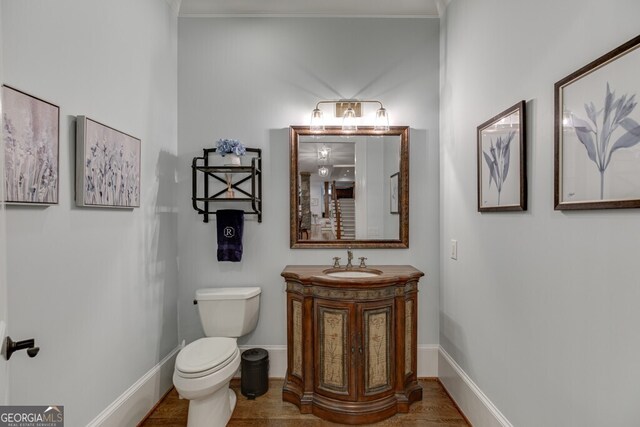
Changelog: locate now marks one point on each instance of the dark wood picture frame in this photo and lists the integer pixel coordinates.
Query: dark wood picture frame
(31, 133)
(578, 136)
(494, 168)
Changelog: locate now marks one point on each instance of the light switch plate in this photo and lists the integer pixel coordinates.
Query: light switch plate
(454, 249)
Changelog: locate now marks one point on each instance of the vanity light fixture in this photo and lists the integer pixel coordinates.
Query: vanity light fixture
(349, 110)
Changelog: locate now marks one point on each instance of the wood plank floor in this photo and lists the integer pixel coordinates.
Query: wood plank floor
(435, 409)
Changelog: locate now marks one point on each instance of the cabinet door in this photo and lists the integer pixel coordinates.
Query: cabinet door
(334, 323)
(376, 349)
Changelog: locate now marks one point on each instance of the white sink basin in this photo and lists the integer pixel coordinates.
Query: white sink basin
(352, 274)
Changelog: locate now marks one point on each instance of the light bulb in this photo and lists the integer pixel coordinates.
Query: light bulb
(349, 121)
(382, 120)
(317, 123)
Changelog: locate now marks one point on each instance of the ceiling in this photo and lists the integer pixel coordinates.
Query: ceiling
(340, 162)
(364, 8)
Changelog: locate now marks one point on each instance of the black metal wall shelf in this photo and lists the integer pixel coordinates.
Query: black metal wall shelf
(239, 175)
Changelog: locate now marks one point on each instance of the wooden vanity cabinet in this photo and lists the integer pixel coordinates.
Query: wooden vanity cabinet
(351, 343)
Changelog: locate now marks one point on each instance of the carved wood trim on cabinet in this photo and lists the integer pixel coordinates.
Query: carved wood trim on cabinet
(351, 343)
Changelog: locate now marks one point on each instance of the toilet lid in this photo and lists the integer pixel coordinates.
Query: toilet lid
(206, 353)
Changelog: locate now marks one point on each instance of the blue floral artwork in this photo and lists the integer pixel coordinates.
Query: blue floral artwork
(597, 133)
(501, 161)
(606, 130)
(497, 158)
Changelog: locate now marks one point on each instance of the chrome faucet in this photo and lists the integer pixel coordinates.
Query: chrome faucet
(349, 258)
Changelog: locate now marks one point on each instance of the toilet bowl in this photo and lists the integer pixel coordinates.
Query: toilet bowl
(203, 371)
(204, 368)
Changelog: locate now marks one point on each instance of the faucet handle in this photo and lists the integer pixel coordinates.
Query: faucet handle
(336, 262)
(362, 264)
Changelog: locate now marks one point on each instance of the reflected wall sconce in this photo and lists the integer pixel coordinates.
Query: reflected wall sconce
(323, 171)
(323, 153)
(349, 110)
(567, 118)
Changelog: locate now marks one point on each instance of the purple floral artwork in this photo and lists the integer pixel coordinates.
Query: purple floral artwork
(30, 129)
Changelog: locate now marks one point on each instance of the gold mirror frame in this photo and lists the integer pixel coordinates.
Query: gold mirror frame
(403, 189)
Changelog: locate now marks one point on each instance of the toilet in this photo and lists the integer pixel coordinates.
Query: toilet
(205, 367)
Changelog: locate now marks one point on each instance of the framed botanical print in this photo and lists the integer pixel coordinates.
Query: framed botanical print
(393, 193)
(107, 166)
(597, 133)
(502, 177)
(31, 134)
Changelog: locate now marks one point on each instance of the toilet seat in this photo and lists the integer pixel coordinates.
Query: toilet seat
(206, 356)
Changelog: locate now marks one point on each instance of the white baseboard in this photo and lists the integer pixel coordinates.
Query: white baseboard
(136, 402)
(433, 361)
(475, 405)
(428, 360)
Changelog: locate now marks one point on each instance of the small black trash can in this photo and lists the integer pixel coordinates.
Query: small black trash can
(254, 373)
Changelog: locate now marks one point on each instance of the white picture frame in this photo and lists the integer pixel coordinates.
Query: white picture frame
(108, 166)
(31, 135)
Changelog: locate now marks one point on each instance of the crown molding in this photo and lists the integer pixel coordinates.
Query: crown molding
(174, 5)
(309, 8)
(299, 15)
(442, 5)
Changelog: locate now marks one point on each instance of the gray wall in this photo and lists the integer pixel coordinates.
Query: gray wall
(96, 288)
(541, 308)
(4, 366)
(250, 79)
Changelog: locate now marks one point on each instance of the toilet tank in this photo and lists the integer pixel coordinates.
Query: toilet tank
(228, 312)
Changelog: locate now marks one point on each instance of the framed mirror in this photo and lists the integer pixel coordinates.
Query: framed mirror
(349, 189)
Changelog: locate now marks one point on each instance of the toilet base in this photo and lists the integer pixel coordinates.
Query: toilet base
(212, 411)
